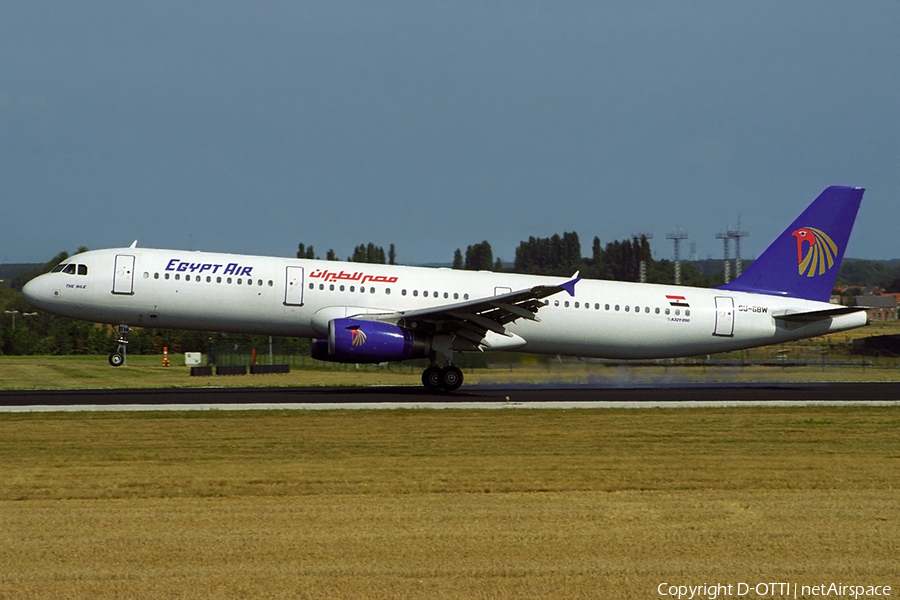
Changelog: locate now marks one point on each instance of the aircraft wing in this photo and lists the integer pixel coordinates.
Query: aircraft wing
(472, 319)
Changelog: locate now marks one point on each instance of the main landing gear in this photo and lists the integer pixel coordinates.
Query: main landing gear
(436, 379)
(117, 358)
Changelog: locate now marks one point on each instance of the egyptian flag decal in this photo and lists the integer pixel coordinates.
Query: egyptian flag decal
(677, 301)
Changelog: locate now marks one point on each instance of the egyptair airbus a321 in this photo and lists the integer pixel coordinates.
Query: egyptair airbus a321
(365, 313)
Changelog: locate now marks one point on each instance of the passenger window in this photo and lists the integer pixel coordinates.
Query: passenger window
(667, 311)
(435, 294)
(241, 280)
(271, 283)
(387, 291)
(637, 309)
(82, 270)
(371, 290)
(342, 288)
(606, 306)
(146, 274)
(352, 288)
(249, 281)
(446, 295)
(156, 276)
(647, 310)
(331, 288)
(229, 281)
(362, 289)
(312, 286)
(455, 296)
(415, 292)
(577, 305)
(218, 280)
(677, 311)
(687, 312)
(465, 296)
(617, 307)
(208, 279)
(166, 275)
(567, 304)
(259, 282)
(177, 277)
(425, 293)
(657, 310)
(402, 292)
(627, 308)
(556, 303)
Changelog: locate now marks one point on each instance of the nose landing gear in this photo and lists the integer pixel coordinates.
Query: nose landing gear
(117, 358)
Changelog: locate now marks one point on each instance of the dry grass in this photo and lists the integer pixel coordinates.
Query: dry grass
(445, 504)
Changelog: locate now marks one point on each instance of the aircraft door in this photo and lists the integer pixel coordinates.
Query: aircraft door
(724, 316)
(123, 276)
(293, 286)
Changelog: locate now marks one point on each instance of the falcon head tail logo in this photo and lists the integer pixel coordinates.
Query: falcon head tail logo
(820, 254)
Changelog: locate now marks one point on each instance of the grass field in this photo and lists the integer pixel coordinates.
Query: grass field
(93, 372)
(445, 504)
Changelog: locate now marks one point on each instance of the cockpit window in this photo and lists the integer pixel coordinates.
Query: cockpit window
(58, 268)
(82, 269)
(70, 269)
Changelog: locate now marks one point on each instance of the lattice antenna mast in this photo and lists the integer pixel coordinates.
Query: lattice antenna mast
(676, 237)
(736, 235)
(643, 265)
(723, 235)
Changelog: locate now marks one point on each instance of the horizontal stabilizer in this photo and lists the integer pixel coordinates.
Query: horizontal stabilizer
(818, 315)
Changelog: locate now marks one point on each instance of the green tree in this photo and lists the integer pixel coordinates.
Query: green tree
(368, 253)
(458, 260)
(550, 256)
(479, 257)
(304, 252)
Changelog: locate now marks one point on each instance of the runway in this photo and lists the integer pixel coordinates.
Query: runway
(474, 397)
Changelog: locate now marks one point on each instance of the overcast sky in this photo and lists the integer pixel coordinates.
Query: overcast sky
(250, 127)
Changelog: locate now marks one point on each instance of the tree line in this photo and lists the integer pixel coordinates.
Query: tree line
(364, 253)
(36, 332)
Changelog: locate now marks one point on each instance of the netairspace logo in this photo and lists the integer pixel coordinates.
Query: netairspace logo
(772, 590)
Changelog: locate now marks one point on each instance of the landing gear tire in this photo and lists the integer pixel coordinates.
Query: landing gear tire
(431, 379)
(451, 378)
(117, 359)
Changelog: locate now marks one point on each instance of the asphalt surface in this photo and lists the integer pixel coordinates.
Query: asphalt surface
(476, 395)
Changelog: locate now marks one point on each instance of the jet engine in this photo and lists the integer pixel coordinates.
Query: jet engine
(358, 341)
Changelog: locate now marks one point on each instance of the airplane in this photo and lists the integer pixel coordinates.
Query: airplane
(373, 313)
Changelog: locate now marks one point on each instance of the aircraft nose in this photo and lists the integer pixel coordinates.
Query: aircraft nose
(36, 292)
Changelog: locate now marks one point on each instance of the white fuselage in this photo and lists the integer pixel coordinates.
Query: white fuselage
(294, 297)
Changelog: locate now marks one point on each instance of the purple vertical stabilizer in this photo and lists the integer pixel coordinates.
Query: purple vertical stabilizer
(803, 262)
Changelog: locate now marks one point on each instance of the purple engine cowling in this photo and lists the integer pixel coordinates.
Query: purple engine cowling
(357, 341)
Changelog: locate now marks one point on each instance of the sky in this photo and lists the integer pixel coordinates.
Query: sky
(251, 127)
